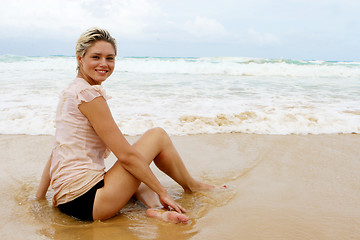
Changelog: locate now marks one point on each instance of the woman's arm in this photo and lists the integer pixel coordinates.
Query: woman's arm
(99, 115)
(44, 182)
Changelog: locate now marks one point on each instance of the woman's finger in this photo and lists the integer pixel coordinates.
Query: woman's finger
(182, 209)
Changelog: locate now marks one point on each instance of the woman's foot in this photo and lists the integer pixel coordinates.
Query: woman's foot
(200, 186)
(167, 216)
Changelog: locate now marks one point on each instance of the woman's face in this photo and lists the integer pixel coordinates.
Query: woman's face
(98, 62)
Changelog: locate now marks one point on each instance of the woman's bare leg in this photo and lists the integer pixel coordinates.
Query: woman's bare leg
(168, 160)
(120, 185)
(147, 196)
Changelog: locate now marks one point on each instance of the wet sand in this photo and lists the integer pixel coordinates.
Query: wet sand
(280, 187)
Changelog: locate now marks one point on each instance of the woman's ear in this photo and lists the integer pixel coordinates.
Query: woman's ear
(79, 59)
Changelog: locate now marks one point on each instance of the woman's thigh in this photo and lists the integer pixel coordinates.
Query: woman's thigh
(151, 144)
(119, 187)
(119, 184)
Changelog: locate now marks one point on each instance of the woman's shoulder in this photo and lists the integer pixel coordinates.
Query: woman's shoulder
(79, 83)
(83, 91)
(76, 86)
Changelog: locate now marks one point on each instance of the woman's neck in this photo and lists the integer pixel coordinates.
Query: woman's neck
(86, 78)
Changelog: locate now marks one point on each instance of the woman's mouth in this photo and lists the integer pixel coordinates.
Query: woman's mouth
(101, 71)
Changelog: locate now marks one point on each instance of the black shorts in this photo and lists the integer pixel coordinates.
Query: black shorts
(82, 207)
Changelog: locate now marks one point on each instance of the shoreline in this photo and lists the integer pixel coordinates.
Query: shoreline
(280, 187)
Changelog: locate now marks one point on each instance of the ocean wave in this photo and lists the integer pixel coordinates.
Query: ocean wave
(192, 95)
(236, 66)
(252, 122)
(240, 67)
(10, 58)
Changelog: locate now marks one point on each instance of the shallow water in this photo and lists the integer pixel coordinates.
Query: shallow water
(39, 220)
(280, 187)
(131, 223)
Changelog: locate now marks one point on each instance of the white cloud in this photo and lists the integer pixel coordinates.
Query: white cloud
(262, 38)
(205, 27)
(58, 17)
(126, 17)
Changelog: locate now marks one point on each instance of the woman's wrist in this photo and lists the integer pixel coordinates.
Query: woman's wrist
(162, 192)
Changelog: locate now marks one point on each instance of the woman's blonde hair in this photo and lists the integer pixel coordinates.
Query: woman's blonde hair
(88, 39)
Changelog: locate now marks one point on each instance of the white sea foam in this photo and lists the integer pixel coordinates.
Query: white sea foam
(240, 66)
(192, 95)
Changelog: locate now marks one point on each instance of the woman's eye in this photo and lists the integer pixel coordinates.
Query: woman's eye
(110, 58)
(95, 57)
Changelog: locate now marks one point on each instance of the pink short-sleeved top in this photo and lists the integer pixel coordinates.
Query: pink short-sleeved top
(77, 159)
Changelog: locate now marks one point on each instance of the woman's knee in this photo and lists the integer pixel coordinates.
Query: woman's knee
(160, 134)
(158, 130)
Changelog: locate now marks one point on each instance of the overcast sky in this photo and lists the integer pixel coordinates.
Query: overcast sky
(291, 29)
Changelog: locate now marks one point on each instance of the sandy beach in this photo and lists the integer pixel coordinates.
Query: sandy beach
(279, 187)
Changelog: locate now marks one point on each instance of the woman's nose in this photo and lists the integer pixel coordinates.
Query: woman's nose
(103, 61)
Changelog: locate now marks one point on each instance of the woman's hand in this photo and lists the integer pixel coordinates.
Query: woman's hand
(168, 203)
